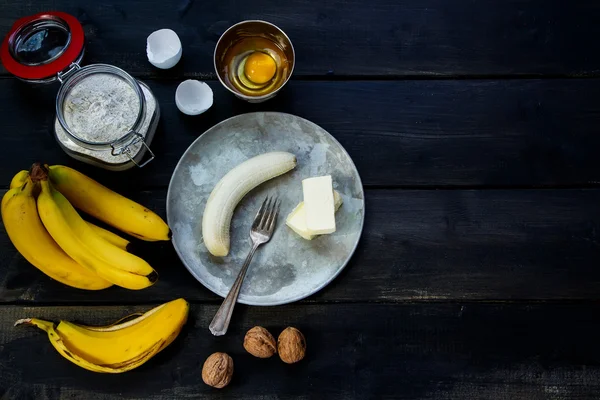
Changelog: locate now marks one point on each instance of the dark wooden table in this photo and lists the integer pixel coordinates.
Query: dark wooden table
(475, 126)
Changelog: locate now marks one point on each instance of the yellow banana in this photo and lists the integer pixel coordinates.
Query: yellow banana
(98, 201)
(58, 227)
(25, 230)
(110, 237)
(19, 179)
(16, 183)
(116, 348)
(100, 247)
(7, 196)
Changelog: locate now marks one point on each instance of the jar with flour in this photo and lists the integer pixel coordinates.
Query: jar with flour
(104, 116)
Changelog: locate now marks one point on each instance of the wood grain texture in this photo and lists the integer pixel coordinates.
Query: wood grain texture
(409, 134)
(341, 37)
(417, 245)
(477, 274)
(418, 351)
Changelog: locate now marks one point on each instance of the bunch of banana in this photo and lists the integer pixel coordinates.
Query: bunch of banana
(21, 177)
(52, 236)
(119, 347)
(25, 229)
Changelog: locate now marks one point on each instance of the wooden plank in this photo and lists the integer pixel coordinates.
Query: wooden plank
(418, 245)
(340, 37)
(366, 351)
(411, 133)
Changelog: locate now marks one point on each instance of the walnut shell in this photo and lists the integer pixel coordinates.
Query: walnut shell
(217, 370)
(260, 343)
(291, 345)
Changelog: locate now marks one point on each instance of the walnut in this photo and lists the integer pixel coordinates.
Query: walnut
(260, 343)
(217, 370)
(291, 345)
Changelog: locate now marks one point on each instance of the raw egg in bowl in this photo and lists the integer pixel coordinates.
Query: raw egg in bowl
(254, 60)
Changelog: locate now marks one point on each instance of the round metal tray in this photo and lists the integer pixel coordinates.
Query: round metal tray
(288, 268)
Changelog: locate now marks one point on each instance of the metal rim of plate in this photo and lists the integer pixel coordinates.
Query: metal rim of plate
(241, 300)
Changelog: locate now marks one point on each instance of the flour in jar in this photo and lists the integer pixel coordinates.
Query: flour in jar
(101, 108)
(105, 155)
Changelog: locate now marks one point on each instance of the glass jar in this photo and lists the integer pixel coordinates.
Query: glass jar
(49, 46)
(117, 152)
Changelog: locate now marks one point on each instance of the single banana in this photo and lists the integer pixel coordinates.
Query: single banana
(110, 237)
(27, 233)
(7, 196)
(16, 183)
(19, 179)
(60, 230)
(228, 192)
(118, 347)
(101, 248)
(98, 201)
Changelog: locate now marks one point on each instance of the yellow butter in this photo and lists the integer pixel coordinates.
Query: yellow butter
(318, 204)
(296, 220)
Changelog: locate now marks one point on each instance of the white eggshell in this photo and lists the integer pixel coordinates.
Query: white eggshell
(163, 48)
(193, 97)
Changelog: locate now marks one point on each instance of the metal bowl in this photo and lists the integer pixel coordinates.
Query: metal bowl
(253, 28)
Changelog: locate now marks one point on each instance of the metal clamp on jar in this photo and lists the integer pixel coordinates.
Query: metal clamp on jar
(104, 116)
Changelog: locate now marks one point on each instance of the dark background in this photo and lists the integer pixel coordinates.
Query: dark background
(474, 126)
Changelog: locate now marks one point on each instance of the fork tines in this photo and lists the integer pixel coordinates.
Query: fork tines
(267, 214)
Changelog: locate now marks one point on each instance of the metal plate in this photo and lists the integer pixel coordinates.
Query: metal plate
(288, 268)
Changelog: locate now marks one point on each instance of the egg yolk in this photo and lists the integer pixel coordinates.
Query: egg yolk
(260, 67)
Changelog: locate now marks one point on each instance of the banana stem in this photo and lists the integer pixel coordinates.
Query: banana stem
(38, 172)
(23, 321)
(40, 323)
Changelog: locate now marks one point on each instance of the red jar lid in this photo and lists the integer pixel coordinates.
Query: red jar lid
(40, 46)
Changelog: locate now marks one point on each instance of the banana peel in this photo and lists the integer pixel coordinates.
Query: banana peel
(118, 347)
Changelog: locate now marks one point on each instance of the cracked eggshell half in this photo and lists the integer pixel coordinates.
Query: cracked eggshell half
(163, 48)
(193, 97)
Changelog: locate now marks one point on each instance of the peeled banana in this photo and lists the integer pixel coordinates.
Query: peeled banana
(19, 179)
(228, 192)
(98, 201)
(28, 235)
(119, 347)
(67, 238)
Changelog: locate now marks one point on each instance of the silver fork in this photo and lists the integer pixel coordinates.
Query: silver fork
(260, 233)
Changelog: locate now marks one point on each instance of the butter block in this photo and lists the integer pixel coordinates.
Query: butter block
(296, 220)
(318, 205)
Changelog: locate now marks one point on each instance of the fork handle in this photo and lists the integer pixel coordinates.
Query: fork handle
(220, 322)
